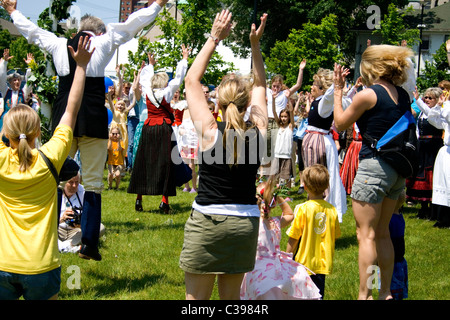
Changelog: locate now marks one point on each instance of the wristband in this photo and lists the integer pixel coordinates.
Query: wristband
(215, 39)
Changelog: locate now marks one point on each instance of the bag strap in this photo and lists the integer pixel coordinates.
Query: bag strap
(371, 142)
(50, 166)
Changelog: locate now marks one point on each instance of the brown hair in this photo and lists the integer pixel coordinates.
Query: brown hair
(22, 120)
(316, 178)
(265, 195)
(444, 85)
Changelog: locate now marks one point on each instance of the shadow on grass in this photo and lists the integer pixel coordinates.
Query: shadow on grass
(112, 286)
(133, 226)
(346, 242)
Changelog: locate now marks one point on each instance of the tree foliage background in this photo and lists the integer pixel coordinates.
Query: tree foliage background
(321, 31)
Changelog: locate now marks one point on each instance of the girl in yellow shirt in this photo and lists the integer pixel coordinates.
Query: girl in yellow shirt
(29, 259)
(116, 156)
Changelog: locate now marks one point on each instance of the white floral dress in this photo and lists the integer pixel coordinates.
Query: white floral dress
(276, 275)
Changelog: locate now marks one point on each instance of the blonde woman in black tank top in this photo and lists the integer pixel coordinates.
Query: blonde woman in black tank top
(375, 109)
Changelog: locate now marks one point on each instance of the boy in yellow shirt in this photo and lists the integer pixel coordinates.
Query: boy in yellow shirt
(315, 227)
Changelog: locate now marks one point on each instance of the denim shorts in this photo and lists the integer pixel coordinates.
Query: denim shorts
(41, 286)
(375, 180)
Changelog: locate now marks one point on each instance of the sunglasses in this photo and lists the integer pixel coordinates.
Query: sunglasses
(429, 98)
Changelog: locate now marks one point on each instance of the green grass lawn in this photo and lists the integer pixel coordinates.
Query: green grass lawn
(140, 253)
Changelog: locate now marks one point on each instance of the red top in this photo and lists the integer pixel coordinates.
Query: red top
(178, 117)
(156, 116)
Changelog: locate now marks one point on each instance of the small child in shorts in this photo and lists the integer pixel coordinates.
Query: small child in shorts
(116, 157)
(315, 227)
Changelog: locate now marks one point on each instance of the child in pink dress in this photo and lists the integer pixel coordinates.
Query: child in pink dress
(276, 275)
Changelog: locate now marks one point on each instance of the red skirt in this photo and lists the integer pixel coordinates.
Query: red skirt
(350, 165)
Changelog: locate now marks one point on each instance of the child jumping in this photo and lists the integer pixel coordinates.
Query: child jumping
(315, 227)
(116, 157)
(276, 275)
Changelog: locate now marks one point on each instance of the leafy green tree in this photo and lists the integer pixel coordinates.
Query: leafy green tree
(196, 23)
(5, 40)
(318, 44)
(435, 70)
(393, 28)
(19, 48)
(59, 11)
(285, 15)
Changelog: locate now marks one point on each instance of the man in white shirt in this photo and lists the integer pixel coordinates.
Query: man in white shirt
(91, 129)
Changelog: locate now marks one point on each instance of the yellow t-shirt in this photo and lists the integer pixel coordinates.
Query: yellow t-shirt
(316, 224)
(28, 207)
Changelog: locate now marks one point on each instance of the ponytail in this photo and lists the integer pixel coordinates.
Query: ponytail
(234, 95)
(21, 124)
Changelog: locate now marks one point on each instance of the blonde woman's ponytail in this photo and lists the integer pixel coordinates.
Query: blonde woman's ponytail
(24, 154)
(21, 125)
(234, 96)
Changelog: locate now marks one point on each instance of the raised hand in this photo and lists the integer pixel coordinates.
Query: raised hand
(185, 51)
(29, 58)
(256, 34)
(6, 55)
(340, 73)
(303, 64)
(151, 58)
(222, 25)
(83, 54)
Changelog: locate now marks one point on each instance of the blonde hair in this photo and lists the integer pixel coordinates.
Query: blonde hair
(324, 77)
(234, 97)
(22, 120)
(386, 62)
(435, 92)
(115, 126)
(316, 178)
(159, 80)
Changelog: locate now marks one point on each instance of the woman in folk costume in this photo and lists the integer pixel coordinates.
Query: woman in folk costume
(439, 117)
(153, 172)
(318, 144)
(429, 142)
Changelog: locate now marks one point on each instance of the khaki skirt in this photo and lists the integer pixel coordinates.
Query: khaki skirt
(219, 244)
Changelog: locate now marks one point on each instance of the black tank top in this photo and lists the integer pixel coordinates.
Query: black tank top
(314, 119)
(92, 120)
(223, 183)
(378, 120)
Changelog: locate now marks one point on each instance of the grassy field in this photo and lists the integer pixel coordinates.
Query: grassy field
(140, 253)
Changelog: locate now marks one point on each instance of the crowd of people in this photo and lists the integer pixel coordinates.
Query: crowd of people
(253, 132)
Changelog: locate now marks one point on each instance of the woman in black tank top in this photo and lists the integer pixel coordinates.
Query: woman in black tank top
(211, 250)
(377, 186)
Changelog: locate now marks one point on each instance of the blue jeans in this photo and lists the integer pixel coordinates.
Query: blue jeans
(132, 124)
(41, 286)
